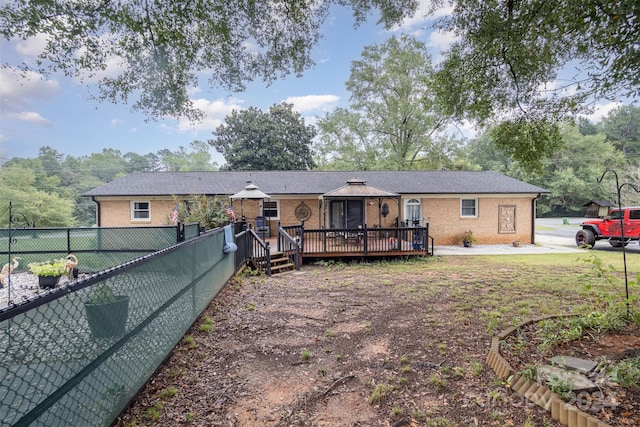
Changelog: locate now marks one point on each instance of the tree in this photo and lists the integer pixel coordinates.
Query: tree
(210, 212)
(253, 140)
(162, 47)
(346, 143)
(392, 118)
(137, 162)
(482, 152)
(45, 209)
(198, 159)
(571, 174)
(505, 68)
(622, 127)
(586, 127)
(107, 165)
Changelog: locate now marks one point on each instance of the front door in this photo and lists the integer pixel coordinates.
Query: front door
(346, 213)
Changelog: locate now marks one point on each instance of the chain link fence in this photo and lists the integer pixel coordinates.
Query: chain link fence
(98, 247)
(58, 369)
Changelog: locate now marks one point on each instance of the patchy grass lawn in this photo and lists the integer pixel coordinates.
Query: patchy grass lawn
(368, 344)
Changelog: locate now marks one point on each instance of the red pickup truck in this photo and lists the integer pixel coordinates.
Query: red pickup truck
(609, 228)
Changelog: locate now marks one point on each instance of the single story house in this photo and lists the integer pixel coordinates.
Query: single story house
(496, 208)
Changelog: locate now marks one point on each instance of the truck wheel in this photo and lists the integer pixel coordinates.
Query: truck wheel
(585, 238)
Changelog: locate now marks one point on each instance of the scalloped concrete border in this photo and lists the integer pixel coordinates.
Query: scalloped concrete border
(541, 395)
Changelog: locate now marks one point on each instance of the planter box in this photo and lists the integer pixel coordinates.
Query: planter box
(48, 282)
(109, 319)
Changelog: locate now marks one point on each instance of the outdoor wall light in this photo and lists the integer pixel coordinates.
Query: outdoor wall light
(385, 210)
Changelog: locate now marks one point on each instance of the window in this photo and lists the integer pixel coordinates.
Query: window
(616, 215)
(413, 211)
(140, 211)
(271, 209)
(469, 207)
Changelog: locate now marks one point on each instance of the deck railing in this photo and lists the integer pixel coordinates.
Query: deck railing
(288, 241)
(374, 241)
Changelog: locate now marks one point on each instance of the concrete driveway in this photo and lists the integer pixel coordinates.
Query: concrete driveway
(552, 236)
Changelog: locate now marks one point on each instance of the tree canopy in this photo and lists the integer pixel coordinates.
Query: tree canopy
(571, 173)
(622, 127)
(276, 140)
(522, 67)
(48, 188)
(393, 122)
(160, 49)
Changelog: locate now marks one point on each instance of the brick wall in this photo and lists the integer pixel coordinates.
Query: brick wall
(446, 225)
(117, 213)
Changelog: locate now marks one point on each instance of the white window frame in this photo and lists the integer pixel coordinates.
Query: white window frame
(135, 208)
(462, 208)
(412, 202)
(277, 202)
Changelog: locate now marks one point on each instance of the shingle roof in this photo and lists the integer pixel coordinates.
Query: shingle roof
(312, 182)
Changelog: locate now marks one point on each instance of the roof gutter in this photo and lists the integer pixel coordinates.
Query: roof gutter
(98, 213)
(533, 219)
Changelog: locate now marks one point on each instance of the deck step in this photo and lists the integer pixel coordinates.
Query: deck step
(279, 263)
(282, 267)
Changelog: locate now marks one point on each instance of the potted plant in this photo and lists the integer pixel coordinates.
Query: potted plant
(468, 239)
(49, 272)
(107, 313)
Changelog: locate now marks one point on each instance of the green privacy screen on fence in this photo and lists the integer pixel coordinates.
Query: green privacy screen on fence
(97, 247)
(58, 370)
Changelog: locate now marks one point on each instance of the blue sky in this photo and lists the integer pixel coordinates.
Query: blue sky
(57, 112)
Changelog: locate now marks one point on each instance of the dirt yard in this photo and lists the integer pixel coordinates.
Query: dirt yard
(390, 344)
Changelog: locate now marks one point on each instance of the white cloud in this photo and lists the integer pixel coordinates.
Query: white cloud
(464, 129)
(31, 117)
(599, 112)
(18, 87)
(313, 102)
(422, 15)
(33, 46)
(193, 91)
(113, 67)
(215, 113)
(440, 41)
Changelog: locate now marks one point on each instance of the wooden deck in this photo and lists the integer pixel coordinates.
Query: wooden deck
(375, 242)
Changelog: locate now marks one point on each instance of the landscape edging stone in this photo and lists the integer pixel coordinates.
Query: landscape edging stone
(565, 413)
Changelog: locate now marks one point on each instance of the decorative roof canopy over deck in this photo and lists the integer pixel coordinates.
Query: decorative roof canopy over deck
(357, 189)
(249, 192)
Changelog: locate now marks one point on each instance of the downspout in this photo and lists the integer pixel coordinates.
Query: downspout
(533, 219)
(98, 213)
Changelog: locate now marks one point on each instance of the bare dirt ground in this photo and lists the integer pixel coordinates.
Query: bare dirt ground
(339, 346)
